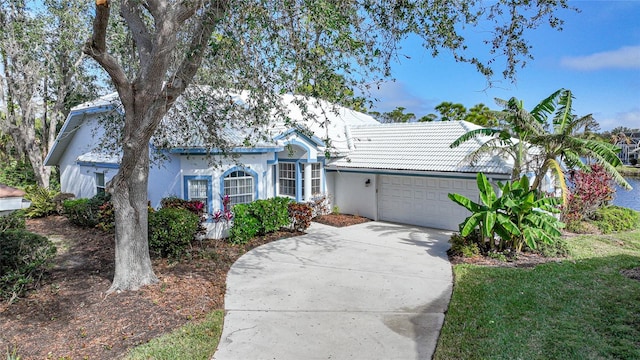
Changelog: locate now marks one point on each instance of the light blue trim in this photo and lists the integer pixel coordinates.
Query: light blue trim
(209, 178)
(313, 139)
(275, 159)
(467, 176)
(98, 164)
(304, 146)
(251, 172)
(213, 151)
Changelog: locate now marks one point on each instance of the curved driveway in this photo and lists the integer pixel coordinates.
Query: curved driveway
(370, 291)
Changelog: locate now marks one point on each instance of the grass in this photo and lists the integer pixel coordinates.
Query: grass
(629, 171)
(581, 308)
(192, 341)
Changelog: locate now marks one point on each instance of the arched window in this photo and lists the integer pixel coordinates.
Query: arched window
(239, 186)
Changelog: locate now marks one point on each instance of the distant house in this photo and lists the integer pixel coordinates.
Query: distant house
(630, 148)
(11, 199)
(393, 172)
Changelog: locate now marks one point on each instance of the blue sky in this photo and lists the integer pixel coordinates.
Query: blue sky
(596, 56)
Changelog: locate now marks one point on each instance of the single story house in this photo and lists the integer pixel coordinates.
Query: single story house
(11, 199)
(399, 172)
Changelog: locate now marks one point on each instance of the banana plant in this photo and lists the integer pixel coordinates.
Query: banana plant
(518, 216)
(489, 215)
(532, 214)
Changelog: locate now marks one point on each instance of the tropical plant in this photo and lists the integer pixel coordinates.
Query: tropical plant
(518, 216)
(545, 138)
(588, 191)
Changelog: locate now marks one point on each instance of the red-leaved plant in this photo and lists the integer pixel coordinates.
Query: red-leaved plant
(588, 191)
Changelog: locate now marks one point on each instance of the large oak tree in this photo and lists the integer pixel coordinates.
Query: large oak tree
(269, 47)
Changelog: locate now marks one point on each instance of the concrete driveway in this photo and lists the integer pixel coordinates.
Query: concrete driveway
(370, 291)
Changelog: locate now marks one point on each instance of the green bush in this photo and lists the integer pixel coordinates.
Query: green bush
(245, 225)
(42, 203)
(23, 260)
(258, 218)
(59, 200)
(13, 221)
(466, 246)
(300, 216)
(615, 218)
(171, 231)
(559, 248)
(16, 172)
(88, 213)
(80, 213)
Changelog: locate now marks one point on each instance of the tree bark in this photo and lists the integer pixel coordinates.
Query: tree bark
(129, 196)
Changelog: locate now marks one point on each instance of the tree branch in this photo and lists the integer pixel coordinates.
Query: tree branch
(131, 14)
(96, 47)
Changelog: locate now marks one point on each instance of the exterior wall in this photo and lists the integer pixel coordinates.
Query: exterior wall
(201, 166)
(164, 179)
(352, 195)
(80, 180)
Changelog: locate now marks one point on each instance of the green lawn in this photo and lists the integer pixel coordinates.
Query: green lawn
(581, 308)
(190, 342)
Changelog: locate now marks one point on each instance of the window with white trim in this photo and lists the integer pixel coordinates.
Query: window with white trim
(315, 179)
(198, 189)
(239, 186)
(100, 186)
(287, 178)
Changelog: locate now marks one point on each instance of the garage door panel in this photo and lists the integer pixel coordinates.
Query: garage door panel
(405, 199)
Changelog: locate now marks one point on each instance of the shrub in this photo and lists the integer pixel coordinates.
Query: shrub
(23, 260)
(615, 218)
(80, 212)
(12, 221)
(466, 246)
(106, 217)
(245, 225)
(171, 231)
(42, 203)
(300, 215)
(319, 205)
(195, 206)
(258, 218)
(59, 200)
(589, 191)
(88, 213)
(559, 248)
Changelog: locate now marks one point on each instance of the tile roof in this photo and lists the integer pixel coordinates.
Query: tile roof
(417, 147)
(8, 192)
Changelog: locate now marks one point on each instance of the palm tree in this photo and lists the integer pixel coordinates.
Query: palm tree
(509, 138)
(563, 140)
(543, 138)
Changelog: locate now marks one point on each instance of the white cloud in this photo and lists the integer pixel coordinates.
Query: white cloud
(630, 119)
(627, 57)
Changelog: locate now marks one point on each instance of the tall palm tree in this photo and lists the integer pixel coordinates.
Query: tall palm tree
(563, 140)
(543, 138)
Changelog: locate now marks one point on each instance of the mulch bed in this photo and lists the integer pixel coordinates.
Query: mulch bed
(340, 220)
(69, 316)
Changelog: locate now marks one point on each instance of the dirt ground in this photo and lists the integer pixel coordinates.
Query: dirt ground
(68, 315)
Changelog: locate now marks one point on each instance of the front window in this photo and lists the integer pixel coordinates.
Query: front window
(287, 179)
(197, 189)
(239, 186)
(100, 188)
(315, 179)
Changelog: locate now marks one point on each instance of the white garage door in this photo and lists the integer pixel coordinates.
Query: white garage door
(423, 201)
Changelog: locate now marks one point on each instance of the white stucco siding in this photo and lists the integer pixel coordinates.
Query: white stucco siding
(80, 180)
(352, 194)
(164, 179)
(256, 164)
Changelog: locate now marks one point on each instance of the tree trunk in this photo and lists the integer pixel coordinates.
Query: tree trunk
(129, 196)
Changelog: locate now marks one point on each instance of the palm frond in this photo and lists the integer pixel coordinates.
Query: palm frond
(546, 107)
(564, 114)
(473, 134)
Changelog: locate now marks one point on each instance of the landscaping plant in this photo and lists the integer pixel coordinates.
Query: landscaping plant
(518, 217)
(23, 259)
(42, 201)
(171, 231)
(588, 191)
